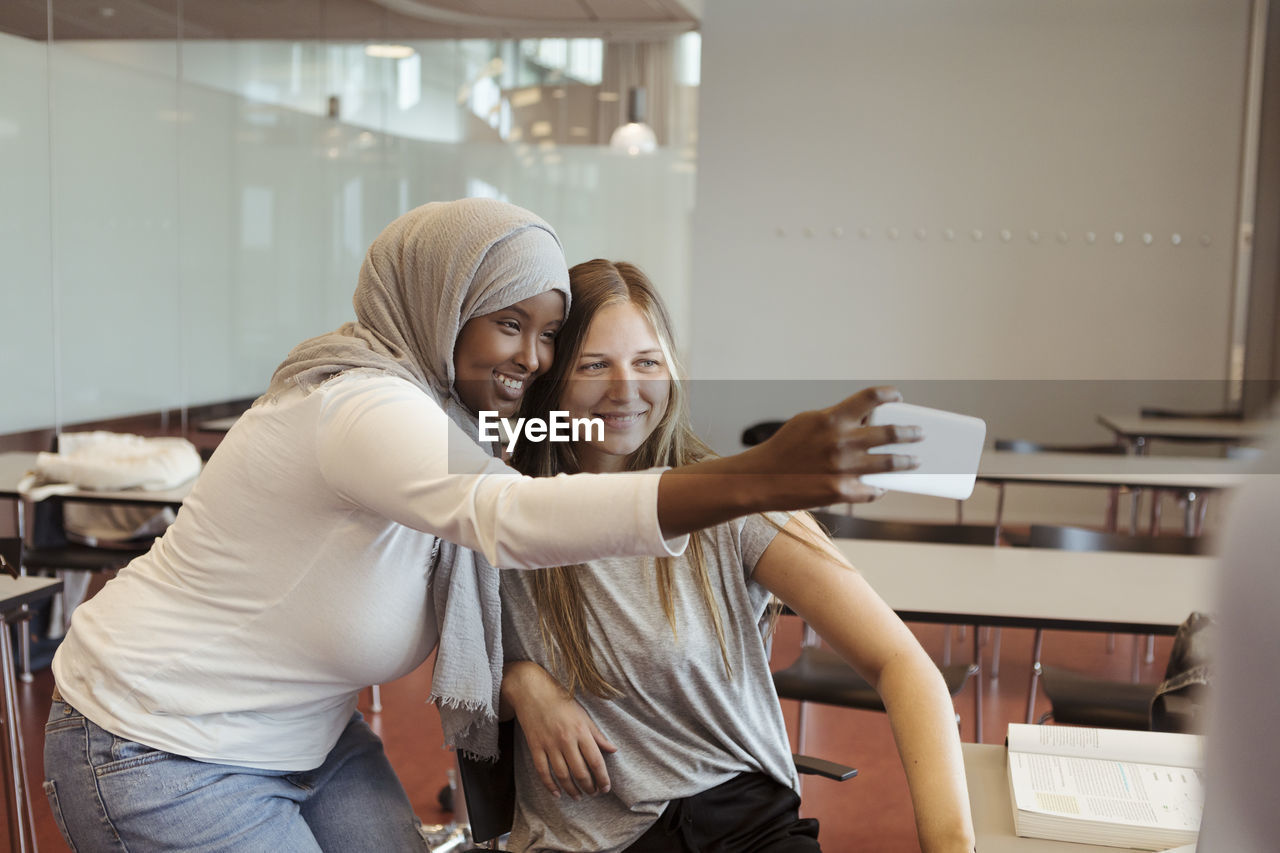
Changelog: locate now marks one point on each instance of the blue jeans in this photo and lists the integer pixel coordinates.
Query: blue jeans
(112, 794)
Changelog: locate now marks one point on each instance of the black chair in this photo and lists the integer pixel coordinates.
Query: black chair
(1083, 539)
(489, 787)
(1184, 414)
(761, 432)
(820, 675)
(1021, 445)
(51, 551)
(1177, 704)
(850, 527)
(1082, 699)
(11, 556)
(51, 548)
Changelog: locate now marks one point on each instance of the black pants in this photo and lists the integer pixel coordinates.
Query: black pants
(750, 813)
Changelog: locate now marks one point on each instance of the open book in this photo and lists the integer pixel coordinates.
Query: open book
(1141, 790)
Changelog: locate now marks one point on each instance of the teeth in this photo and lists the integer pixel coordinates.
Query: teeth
(623, 420)
(513, 384)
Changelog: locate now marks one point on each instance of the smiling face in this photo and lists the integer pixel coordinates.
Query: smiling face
(622, 377)
(497, 355)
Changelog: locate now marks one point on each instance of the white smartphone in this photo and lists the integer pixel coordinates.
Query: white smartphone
(949, 452)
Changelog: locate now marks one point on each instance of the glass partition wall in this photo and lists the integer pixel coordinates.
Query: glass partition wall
(181, 205)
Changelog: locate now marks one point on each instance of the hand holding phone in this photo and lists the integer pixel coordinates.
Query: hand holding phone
(949, 452)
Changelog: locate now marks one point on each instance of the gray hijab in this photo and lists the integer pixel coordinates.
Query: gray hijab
(425, 276)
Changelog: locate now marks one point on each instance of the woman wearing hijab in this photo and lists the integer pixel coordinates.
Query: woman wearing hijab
(205, 698)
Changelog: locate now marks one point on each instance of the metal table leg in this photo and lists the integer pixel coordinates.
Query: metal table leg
(977, 687)
(20, 815)
(24, 635)
(1189, 522)
(1036, 669)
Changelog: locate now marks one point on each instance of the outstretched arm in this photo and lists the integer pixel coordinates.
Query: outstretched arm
(385, 446)
(819, 585)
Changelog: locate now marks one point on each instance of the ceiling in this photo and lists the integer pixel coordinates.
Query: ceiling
(357, 20)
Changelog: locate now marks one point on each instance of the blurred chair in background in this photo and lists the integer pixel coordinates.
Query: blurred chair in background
(1075, 697)
(819, 674)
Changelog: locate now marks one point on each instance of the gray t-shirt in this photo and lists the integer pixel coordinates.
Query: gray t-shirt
(681, 726)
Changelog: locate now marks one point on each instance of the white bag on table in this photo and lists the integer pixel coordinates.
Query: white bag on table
(111, 461)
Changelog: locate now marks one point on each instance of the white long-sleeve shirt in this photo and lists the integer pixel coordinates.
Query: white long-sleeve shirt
(296, 572)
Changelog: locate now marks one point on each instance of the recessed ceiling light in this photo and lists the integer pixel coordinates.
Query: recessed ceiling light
(389, 51)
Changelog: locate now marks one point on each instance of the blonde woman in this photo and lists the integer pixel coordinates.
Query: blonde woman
(666, 656)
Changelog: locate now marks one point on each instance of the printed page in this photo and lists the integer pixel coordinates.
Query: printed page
(1119, 792)
(1167, 748)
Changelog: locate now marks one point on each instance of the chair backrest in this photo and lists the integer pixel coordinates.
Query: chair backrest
(490, 788)
(1216, 415)
(10, 555)
(1083, 539)
(849, 527)
(761, 432)
(48, 529)
(1022, 445)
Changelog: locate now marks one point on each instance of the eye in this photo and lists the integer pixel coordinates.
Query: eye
(549, 335)
(592, 366)
(509, 324)
(649, 363)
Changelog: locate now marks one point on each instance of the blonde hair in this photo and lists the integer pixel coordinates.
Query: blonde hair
(558, 593)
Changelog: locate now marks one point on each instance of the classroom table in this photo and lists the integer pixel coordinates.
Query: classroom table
(14, 594)
(1033, 588)
(1137, 430)
(1189, 476)
(992, 807)
(1106, 469)
(14, 465)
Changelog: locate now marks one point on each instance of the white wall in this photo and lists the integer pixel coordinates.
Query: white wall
(860, 161)
(166, 242)
(26, 298)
